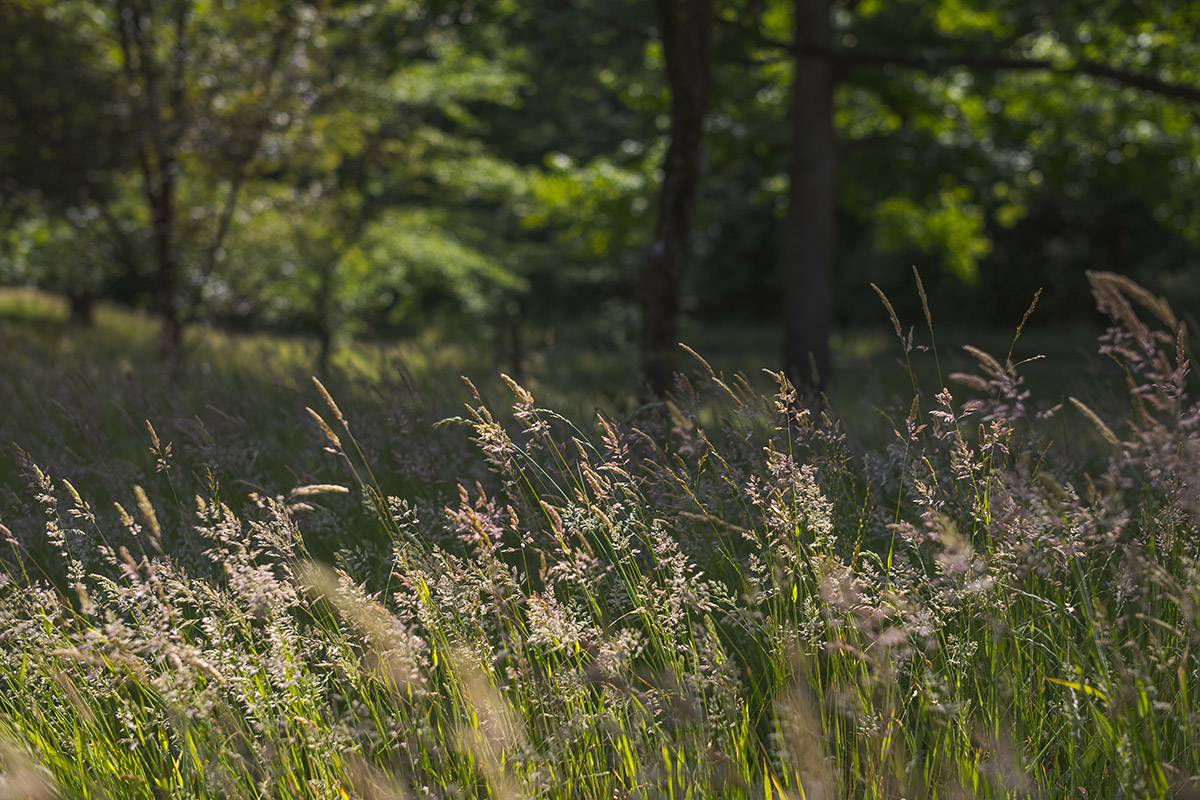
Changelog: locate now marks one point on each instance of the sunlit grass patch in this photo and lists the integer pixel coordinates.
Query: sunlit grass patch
(32, 305)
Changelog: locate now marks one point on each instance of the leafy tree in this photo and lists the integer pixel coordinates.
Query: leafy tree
(589, 131)
(951, 129)
(628, 123)
(1026, 104)
(58, 106)
(331, 165)
(166, 106)
(265, 144)
(61, 147)
(386, 185)
(205, 86)
(69, 252)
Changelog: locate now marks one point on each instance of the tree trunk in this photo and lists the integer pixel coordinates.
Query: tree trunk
(324, 349)
(166, 289)
(323, 308)
(83, 307)
(808, 238)
(159, 118)
(508, 350)
(686, 28)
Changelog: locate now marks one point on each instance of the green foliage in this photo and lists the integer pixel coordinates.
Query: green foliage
(422, 250)
(951, 228)
(58, 108)
(600, 207)
(57, 252)
(525, 140)
(937, 96)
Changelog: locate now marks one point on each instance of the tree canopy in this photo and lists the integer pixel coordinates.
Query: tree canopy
(373, 167)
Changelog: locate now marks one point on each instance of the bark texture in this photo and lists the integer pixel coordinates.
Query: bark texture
(686, 29)
(808, 237)
(83, 307)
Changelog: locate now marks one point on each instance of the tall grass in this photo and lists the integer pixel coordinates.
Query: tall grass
(721, 596)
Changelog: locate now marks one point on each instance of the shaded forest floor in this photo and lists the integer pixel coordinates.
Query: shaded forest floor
(578, 370)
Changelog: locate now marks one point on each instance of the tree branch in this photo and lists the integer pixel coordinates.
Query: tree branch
(1145, 82)
(941, 59)
(757, 35)
(128, 254)
(245, 154)
(937, 59)
(178, 66)
(141, 122)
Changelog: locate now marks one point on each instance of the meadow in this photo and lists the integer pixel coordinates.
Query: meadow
(391, 582)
